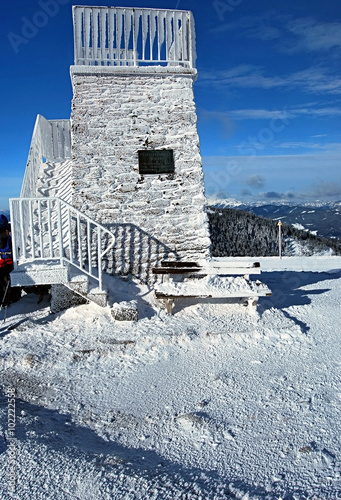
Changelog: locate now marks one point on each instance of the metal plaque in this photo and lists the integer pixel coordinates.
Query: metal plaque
(157, 161)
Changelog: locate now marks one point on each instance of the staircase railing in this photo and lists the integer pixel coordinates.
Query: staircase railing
(51, 141)
(50, 229)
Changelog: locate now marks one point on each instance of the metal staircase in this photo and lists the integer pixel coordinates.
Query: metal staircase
(54, 243)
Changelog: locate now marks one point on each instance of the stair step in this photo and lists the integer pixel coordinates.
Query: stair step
(51, 274)
(79, 284)
(100, 297)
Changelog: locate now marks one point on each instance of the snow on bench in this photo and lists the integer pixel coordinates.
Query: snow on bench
(209, 279)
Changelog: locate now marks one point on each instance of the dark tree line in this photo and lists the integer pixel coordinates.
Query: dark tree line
(240, 233)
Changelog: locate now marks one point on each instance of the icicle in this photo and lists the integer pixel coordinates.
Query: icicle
(152, 32)
(95, 13)
(127, 31)
(161, 32)
(169, 35)
(112, 37)
(102, 33)
(185, 36)
(177, 36)
(87, 55)
(119, 15)
(136, 28)
(144, 32)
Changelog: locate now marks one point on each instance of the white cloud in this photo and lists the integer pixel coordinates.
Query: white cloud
(294, 34)
(312, 80)
(313, 35)
(284, 175)
(328, 147)
(324, 189)
(245, 76)
(259, 114)
(313, 110)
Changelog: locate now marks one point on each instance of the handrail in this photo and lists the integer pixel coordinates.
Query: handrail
(51, 140)
(117, 36)
(50, 229)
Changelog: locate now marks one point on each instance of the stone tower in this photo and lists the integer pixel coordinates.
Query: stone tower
(136, 163)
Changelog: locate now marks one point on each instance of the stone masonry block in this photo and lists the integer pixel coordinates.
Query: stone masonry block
(125, 311)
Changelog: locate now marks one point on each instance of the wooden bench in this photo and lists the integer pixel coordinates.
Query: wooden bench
(166, 291)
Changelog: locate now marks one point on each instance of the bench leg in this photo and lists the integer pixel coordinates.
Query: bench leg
(169, 303)
(252, 303)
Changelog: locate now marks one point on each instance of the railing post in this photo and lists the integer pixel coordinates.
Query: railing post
(40, 231)
(80, 253)
(89, 246)
(70, 234)
(31, 225)
(99, 263)
(23, 242)
(60, 231)
(192, 48)
(49, 226)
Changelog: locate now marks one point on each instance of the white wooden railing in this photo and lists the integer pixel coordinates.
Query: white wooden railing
(116, 36)
(51, 141)
(49, 229)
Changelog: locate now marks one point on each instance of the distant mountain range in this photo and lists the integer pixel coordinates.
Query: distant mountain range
(323, 219)
(240, 233)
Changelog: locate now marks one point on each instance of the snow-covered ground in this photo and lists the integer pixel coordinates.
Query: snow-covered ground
(210, 403)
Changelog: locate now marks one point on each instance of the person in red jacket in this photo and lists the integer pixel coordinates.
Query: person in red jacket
(6, 263)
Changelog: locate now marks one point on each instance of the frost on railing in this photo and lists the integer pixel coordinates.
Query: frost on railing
(116, 36)
(49, 229)
(51, 141)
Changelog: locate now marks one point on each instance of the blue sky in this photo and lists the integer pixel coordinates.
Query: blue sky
(268, 93)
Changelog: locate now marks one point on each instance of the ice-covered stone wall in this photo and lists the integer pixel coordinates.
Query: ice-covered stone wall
(115, 113)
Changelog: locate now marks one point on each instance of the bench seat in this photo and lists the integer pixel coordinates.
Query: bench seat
(208, 280)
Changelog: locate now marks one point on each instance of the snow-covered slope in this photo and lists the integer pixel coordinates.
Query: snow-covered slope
(211, 403)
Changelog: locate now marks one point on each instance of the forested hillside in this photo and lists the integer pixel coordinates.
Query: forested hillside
(240, 233)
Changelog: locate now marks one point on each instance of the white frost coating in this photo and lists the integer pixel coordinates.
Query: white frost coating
(209, 403)
(153, 216)
(299, 264)
(56, 231)
(51, 140)
(102, 36)
(131, 70)
(212, 286)
(39, 275)
(55, 180)
(50, 144)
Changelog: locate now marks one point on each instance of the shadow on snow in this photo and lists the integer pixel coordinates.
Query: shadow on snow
(40, 426)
